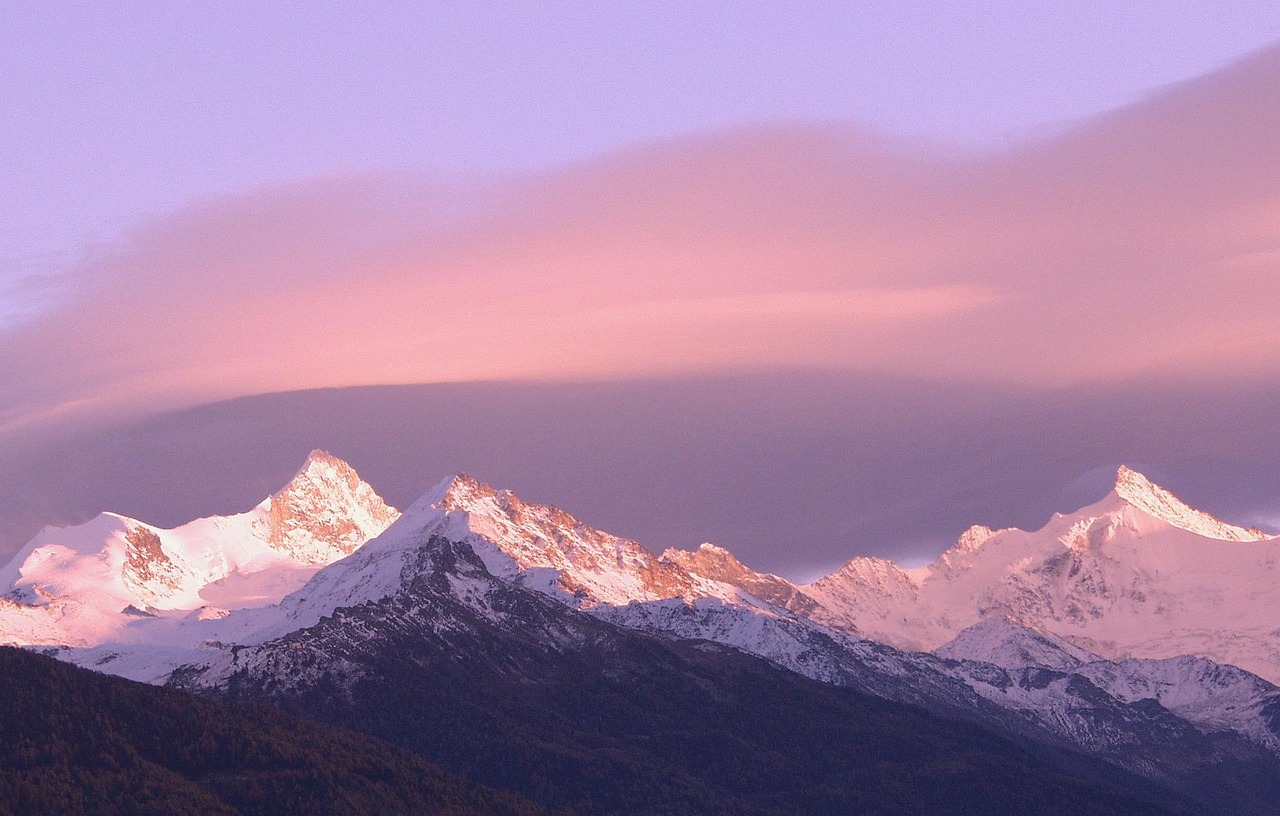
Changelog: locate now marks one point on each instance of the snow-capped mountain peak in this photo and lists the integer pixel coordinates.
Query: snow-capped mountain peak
(325, 511)
(711, 561)
(973, 538)
(547, 547)
(89, 582)
(1140, 492)
(536, 545)
(459, 492)
(1136, 574)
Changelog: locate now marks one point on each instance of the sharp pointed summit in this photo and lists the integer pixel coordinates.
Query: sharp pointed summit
(1138, 573)
(322, 466)
(77, 584)
(543, 543)
(1140, 492)
(325, 511)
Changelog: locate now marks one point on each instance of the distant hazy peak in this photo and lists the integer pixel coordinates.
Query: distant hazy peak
(709, 560)
(865, 570)
(716, 563)
(1011, 644)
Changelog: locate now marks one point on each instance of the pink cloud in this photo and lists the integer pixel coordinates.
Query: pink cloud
(1144, 241)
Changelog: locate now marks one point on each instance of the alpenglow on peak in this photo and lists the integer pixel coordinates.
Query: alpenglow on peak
(1152, 499)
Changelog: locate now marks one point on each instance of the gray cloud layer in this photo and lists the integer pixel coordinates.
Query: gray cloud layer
(796, 472)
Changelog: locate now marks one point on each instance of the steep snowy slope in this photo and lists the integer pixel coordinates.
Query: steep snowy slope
(547, 548)
(531, 545)
(534, 545)
(1213, 696)
(82, 585)
(718, 564)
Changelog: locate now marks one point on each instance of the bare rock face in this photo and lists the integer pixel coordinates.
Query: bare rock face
(325, 512)
(148, 571)
(593, 566)
(718, 564)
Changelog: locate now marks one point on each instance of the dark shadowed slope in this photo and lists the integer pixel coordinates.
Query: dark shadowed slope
(76, 742)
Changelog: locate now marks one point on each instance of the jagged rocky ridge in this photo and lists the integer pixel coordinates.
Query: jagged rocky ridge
(1171, 719)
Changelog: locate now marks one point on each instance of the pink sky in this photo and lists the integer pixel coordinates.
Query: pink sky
(1143, 241)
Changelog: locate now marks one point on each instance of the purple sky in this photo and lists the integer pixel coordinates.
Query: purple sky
(1144, 241)
(115, 113)
(1071, 207)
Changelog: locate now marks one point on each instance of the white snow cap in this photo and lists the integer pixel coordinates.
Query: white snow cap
(72, 585)
(1155, 501)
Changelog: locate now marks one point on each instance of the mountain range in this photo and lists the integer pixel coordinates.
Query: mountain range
(1129, 644)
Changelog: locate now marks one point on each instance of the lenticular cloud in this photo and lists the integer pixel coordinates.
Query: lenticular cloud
(1144, 241)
